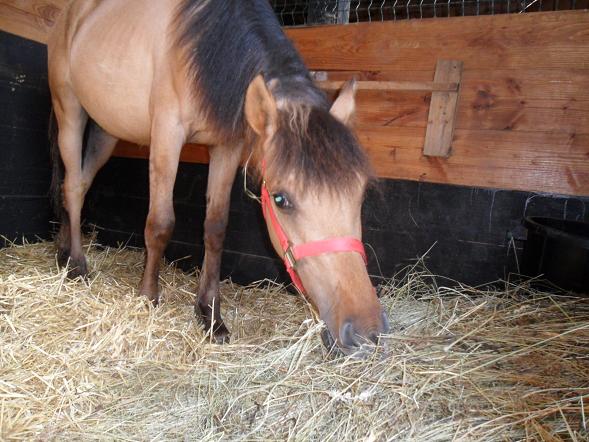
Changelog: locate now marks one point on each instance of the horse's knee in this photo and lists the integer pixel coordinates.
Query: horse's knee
(158, 229)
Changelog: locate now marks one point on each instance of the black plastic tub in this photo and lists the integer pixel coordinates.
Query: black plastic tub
(559, 250)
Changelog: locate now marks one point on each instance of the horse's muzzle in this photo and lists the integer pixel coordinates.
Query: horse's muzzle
(354, 342)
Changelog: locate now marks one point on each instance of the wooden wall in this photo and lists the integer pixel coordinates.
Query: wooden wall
(523, 114)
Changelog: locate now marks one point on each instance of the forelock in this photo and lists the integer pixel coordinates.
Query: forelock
(317, 151)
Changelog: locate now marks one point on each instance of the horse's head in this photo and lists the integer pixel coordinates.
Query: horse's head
(314, 178)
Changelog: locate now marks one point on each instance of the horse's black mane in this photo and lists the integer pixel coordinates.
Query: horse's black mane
(227, 44)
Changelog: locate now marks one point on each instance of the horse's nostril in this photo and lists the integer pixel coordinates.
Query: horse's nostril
(327, 339)
(348, 335)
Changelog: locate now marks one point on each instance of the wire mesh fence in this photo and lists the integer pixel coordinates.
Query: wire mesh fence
(314, 12)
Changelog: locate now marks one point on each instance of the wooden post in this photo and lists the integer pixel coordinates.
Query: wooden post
(442, 110)
(343, 12)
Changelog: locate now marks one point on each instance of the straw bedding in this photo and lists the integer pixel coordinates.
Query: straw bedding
(89, 360)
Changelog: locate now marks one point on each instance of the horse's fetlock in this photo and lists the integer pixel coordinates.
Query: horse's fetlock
(203, 303)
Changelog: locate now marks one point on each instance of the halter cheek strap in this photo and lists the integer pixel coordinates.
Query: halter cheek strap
(292, 254)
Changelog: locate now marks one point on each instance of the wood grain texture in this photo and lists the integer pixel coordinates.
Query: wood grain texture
(31, 19)
(419, 86)
(523, 114)
(191, 153)
(514, 41)
(478, 110)
(499, 158)
(545, 84)
(442, 110)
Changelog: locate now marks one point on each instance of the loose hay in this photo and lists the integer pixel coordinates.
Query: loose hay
(90, 360)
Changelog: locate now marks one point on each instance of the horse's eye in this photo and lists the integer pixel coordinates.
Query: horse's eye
(281, 201)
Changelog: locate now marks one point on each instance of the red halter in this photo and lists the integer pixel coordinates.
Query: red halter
(292, 253)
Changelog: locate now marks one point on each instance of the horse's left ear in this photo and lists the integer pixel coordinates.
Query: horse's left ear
(345, 104)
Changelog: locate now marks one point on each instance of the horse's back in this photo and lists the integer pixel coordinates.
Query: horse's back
(111, 54)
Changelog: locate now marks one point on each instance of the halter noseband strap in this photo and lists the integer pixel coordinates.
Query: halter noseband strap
(292, 253)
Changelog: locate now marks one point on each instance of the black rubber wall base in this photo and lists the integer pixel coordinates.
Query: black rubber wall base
(471, 235)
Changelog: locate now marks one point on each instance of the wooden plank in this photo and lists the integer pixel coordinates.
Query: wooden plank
(511, 160)
(511, 41)
(489, 33)
(560, 164)
(564, 179)
(442, 110)
(47, 9)
(430, 86)
(511, 57)
(514, 115)
(21, 23)
(477, 110)
(524, 145)
(30, 19)
(191, 153)
(546, 84)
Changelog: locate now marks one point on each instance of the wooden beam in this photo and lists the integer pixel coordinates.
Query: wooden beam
(418, 86)
(442, 110)
(191, 153)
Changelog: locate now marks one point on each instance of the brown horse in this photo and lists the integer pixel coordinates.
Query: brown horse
(221, 73)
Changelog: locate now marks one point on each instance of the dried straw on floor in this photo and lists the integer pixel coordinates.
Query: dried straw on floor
(89, 360)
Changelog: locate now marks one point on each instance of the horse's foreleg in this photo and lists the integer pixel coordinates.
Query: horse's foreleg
(223, 165)
(71, 120)
(166, 145)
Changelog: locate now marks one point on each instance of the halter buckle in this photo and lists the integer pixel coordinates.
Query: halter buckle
(289, 257)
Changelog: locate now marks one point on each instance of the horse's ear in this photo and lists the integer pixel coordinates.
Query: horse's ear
(345, 104)
(260, 107)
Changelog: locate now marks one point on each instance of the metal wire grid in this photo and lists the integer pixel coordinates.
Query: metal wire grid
(307, 12)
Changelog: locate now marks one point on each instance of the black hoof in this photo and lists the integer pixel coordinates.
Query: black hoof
(154, 300)
(77, 268)
(219, 333)
(152, 296)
